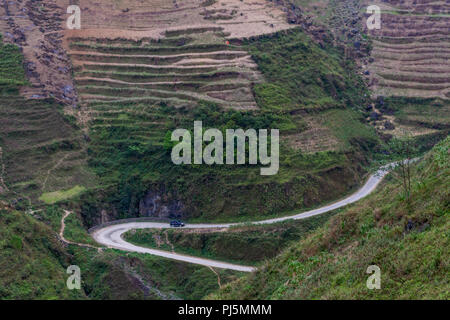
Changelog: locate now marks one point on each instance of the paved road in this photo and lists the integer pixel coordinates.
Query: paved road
(111, 236)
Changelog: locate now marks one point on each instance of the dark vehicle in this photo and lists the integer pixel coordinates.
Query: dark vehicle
(176, 223)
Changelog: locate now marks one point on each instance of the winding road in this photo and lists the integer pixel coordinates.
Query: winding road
(111, 236)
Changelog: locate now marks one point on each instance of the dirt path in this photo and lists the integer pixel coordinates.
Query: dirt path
(51, 169)
(218, 276)
(168, 241)
(61, 233)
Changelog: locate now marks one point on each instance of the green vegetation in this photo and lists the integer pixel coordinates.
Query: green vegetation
(32, 261)
(240, 245)
(310, 92)
(42, 149)
(409, 241)
(302, 75)
(12, 73)
(152, 48)
(75, 231)
(115, 275)
(33, 265)
(348, 127)
(56, 196)
(130, 139)
(423, 112)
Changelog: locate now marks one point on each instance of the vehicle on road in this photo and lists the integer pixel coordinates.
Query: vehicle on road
(176, 223)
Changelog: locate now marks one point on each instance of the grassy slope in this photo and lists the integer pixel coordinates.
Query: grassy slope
(429, 113)
(331, 262)
(112, 274)
(12, 73)
(301, 77)
(42, 148)
(33, 265)
(32, 260)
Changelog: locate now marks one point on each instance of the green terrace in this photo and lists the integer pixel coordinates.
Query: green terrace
(81, 46)
(12, 74)
(157, 60)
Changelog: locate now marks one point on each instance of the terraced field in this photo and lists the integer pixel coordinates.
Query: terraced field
(411, 51)
(180, 70)
(41, 149)
(42, 152)
(151, 17)
(36, 27)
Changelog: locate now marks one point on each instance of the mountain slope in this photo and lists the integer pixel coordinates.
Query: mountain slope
(310, 93)
(409, 242)
(41, 150)
(228, 63)
(33, 261)
(411, 50)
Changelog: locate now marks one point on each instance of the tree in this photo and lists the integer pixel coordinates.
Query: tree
(405, 149)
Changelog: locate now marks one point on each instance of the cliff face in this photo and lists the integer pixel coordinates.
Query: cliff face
(155, 204)
(36, 26)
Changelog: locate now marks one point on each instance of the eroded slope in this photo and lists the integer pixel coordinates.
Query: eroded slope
(411, 50)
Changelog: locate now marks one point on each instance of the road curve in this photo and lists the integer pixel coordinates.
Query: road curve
(111, 236)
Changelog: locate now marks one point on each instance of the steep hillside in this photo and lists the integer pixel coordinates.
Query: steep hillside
(411, 50)
(41, 150)
(86, 118)
(139, 79)
(407, 56)
(404, 63)
(311, 95)
(32, 260)
(409, 65)
(36, 27)
(181, 69)
(141, 70)
(408, 240)
(138, 18)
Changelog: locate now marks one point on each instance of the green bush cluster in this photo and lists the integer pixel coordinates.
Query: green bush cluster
(12, 72)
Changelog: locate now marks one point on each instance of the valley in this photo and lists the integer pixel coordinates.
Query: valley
(87, 178)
